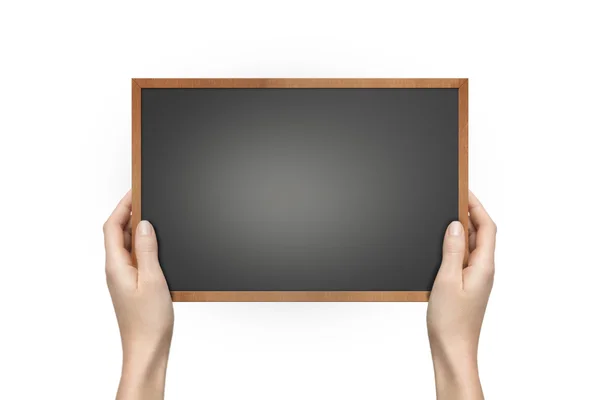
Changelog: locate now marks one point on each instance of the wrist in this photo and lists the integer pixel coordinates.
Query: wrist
(144, 371)
(145, 350)
(145, 360)
(456, 373)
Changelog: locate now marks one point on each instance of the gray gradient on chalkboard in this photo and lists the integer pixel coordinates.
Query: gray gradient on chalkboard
(300, 189)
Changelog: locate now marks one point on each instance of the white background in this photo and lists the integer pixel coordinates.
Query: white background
(65, 130)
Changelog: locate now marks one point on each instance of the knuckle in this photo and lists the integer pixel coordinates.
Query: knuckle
(490, 225)
(109, 270)
(488, 281)
(487, 272)
(490, 272)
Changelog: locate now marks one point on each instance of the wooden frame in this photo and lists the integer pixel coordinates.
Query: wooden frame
(365, 296)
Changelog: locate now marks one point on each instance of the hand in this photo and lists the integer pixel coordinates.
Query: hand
(457, 304)
(142, 304)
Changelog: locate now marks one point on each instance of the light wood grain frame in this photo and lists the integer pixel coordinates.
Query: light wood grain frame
(365, 296)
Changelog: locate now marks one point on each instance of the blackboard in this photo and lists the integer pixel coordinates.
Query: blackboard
(298, 189)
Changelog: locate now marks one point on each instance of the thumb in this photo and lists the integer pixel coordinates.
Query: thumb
(453, 250)
(146, 247)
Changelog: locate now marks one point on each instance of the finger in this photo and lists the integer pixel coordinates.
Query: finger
(453, 252)
(472, 236)
(127, 235)
(485, 242)
(113, 228)
(146, 250)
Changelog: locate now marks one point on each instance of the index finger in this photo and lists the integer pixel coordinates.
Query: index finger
(114, 240)
(486, 228)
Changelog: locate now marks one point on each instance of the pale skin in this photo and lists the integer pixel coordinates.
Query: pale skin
(457, 305)
(145, 316)
(142, 303)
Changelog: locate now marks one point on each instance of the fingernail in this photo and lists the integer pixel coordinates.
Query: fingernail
(455, 229)
(144, 228)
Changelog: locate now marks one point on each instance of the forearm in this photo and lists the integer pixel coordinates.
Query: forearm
(456, 377)
(143, 376)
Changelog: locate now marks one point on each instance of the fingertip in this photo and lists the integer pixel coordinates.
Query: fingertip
(146, 249)
(144, 228)
(455, 229)
(454, 241)
(145, 239)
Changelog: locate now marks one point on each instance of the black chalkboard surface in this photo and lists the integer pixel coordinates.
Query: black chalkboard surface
(299, 189)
